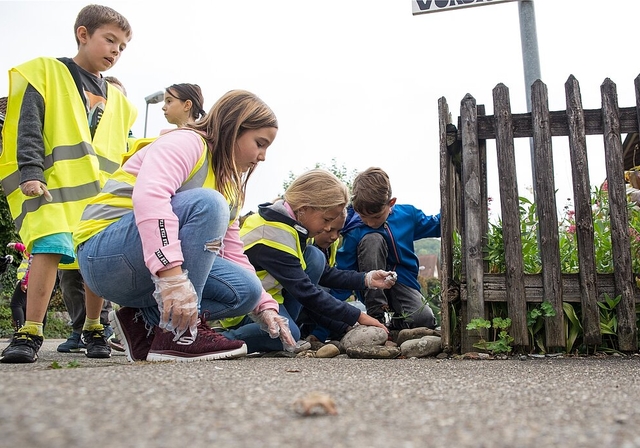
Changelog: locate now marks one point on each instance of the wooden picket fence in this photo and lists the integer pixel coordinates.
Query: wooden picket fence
(464, 208)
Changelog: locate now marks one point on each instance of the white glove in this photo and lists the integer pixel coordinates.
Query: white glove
(178, 304)
(35, 188)
(277, 326)
(380, 279)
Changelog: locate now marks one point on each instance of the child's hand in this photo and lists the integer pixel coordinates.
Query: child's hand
(34, 188)
(380, 279)
(365, 319)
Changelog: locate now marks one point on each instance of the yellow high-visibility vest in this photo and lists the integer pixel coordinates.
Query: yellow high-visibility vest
(115, 199)
(278, 235)
(76, 165)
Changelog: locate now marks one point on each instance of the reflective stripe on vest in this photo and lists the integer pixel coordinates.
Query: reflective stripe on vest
(278, 235)
(75, 166)
(23, 268)
(115, 199)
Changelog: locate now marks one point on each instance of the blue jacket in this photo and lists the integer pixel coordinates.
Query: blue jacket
(404, 225)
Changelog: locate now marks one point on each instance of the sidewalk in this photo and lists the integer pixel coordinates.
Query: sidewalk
(407, 403)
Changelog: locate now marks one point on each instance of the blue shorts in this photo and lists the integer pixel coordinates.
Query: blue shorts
(58, 243)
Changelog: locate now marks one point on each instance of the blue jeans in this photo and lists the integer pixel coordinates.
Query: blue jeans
(112, 263)
(258, 340)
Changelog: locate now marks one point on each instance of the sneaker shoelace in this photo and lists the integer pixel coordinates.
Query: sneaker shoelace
(22, 337)
(96, 337)
(206, 331)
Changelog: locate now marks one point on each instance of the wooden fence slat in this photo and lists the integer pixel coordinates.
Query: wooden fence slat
(558, 123)
(484, 189)
(583, 214)
(619, 216)
(636, 84)
(544, 187)
(472, 233)
(447, 173)
(509, 201)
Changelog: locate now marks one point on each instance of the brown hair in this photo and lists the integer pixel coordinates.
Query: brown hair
(371, 191)
(93, 17)
(190, 92)
(234, 113)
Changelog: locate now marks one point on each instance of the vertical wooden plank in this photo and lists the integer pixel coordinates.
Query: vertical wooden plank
(510, 207)
(546, 209)
(636, 83)
(472, 235)
(583, 216)
(621, 249)
(484, 208)
(446, 222)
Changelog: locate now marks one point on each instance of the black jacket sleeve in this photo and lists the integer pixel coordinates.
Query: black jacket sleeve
(287, 270)
(30, 140)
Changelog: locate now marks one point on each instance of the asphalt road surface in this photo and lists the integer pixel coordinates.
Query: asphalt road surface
(68, 400)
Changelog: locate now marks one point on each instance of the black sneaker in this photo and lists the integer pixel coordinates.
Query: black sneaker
(23, 348)
(97, 346)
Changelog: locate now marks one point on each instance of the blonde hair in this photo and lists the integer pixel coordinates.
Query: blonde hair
(318, 189)
(236, 112)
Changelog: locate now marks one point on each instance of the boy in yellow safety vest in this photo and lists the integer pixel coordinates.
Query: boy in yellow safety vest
(62, 139)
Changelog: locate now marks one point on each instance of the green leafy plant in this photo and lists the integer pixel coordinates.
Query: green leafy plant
(494, 249)
(431, 291)
(609, 320)
(70, 365)
(535, 323)
(572, 326)
(456, 250)
(502, 340)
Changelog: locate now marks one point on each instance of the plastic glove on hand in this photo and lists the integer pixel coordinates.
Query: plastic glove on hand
(380, 279)
(277, 326)
(36, 188)
(178, 304)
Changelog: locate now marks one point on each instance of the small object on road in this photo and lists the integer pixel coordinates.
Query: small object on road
(315, 403)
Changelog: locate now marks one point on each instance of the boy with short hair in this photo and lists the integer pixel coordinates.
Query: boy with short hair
(379, 234)
(62, 139)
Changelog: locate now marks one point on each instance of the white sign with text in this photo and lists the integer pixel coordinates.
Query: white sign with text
(425, 6)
